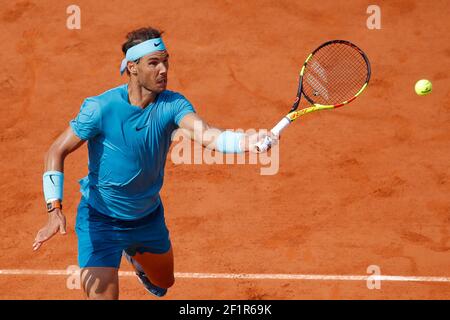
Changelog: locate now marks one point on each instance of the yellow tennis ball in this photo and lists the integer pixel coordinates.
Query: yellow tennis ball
(423, 87)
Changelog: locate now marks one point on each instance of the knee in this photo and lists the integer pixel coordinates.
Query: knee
(165, 283)
(171, 282)
(98, 293)
(102, 296)
(100, 283)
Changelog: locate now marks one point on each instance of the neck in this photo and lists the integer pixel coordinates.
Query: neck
(138, 95)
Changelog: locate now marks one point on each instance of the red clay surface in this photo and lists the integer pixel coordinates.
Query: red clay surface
(366, 184)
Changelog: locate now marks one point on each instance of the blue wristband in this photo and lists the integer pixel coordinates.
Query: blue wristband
(53, 182)
(229, 142)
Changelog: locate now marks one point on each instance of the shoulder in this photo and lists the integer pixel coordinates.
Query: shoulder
(168, 96)
(107, 98)
(176, 105)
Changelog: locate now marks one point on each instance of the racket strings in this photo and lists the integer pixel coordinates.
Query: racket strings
(334, 74)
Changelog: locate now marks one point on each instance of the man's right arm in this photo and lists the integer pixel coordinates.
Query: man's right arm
(65, 144)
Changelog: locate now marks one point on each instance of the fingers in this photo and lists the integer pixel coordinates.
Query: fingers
(61, 221)
(40, 238)
(274, 138)
(62, 226)
(57, 222)
(36, 245)
(44, 234)
(262, 134)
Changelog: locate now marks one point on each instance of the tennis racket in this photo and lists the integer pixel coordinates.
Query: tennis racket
(332, 76)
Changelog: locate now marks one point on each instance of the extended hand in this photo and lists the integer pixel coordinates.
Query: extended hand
(258, 138)
(56, 222)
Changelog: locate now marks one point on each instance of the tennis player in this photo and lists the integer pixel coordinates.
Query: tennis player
(128, 130)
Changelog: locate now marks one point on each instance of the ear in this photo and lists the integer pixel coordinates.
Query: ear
(132, 67)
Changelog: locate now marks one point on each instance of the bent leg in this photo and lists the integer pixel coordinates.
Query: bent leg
(100, 283)
(157, 267)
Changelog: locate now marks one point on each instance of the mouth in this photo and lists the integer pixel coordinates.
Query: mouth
(162, 81)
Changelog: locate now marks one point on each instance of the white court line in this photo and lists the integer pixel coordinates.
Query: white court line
(187, 275)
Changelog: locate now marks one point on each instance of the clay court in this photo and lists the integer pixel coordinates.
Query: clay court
(368, 184)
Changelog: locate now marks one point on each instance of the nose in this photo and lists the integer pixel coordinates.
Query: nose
(162, 69)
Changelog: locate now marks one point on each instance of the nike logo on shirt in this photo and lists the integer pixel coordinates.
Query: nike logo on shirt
(140, 128)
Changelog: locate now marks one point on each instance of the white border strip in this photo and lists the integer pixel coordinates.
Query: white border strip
(317, 277)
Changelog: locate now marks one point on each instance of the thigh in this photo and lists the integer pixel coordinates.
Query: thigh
(99, 244)
(100, 283)
(158, 267)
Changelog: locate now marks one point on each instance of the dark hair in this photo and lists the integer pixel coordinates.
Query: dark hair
(140, 35)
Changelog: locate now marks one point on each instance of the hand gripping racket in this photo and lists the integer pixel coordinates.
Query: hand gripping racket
(332, 76)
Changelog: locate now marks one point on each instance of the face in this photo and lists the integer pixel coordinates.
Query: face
(151, 71)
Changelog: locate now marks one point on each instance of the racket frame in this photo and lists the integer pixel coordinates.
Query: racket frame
(294, 113)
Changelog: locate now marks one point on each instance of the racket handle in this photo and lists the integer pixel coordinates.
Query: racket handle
(281, 126)
(267, 142)
(264, 145)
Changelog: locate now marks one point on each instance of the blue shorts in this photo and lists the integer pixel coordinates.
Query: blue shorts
(101, 239)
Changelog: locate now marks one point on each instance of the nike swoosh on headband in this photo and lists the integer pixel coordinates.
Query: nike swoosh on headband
(140, 50)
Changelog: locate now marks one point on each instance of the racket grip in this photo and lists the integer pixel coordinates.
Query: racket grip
(264, 145)
(267, 142)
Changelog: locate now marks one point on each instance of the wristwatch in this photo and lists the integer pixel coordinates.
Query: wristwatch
(52, 205)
